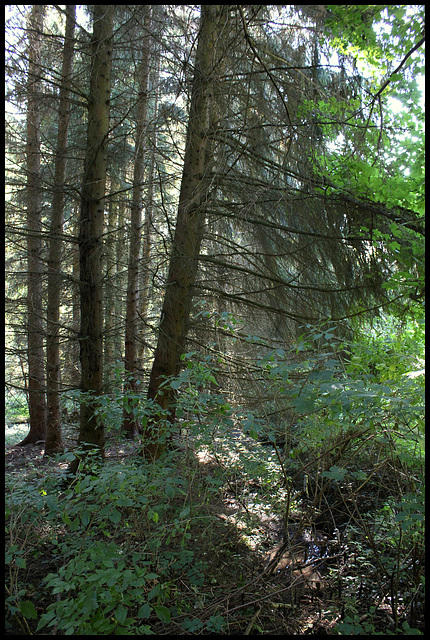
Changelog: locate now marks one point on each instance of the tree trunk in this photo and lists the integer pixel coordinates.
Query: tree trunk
(111, 291)
(144, 275)
(189, 226)
(144, 280)
(35, 329)
(130, 423)
(91, 231)
(54, 441)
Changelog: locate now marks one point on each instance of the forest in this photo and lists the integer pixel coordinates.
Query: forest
(214, 320)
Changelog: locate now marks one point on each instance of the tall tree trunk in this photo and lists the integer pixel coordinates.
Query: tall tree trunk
(91, 230)
(53, 428)
(36, 378)
(120, 279)
(71, 353)
(144, 281)
(189, 225)
(111, 290)
(130, 423)
(147, 223)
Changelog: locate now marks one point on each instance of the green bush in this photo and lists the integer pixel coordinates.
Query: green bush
(120, 534)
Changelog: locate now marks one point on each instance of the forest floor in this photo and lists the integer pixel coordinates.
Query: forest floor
(252, 585)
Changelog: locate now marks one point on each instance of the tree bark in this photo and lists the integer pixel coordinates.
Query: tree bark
(35, 328)
(144, 275)
(111, 291)
(91, 231)
(189, 226)
(54, 441)
(130, 423)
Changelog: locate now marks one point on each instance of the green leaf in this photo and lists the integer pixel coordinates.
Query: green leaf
(163, 613)
(20, 562)
(151, 576)
(85, 517)
(115, 516)
(28, 609)
(125, 502)
(394, 246)
(45, 619)
(90, 602)
(75, 524)
(303, 405)
(335, 473)
(121, 614)
(185, 512)
(399, 517)
(395, 230)
(169, 491)
(155, 591)
(192, 625)
(144, 611)
(360, 475)
(215, 624)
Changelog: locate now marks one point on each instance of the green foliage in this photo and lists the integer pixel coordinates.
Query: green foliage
(16, 406)
(352, 30)
(379, 35)
(379, 155)
(379, 383)
(112, 576)
(215, 624)
(103, 586)
(390, 349)
(122, 535)
(359, 418)
(125, 528)
(16, 416)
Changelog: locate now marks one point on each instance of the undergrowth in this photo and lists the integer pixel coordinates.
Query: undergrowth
(120, 547)
(129, 548)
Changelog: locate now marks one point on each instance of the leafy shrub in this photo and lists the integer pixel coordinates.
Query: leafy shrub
(120, 534)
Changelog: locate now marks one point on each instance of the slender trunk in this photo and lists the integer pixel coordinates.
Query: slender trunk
(145, 262)
(91, 231)
(35, 329)
(130, 423)
(71, 354)
(120, 280)
(53, 428)
(111, 290)
(189, 226)
(147, 224)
